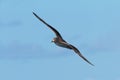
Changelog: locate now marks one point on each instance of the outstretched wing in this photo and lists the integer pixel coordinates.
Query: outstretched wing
(69, 46)
(78, 52)
(53, 29)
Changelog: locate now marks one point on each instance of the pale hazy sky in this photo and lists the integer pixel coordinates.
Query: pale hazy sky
(26, 51)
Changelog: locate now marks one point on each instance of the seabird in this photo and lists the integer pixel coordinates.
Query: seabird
(58, 40)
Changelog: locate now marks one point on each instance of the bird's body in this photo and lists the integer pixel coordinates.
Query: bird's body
(58, 40)
(63, 44)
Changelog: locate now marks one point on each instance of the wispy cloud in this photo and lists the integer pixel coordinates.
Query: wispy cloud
(26, 51)
(109, 42)
(20, 50)
(13, 23)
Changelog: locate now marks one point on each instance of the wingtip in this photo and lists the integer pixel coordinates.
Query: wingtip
(92, 64)
(33, 12)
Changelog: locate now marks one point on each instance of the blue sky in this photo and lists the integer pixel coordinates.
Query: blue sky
(26, 51)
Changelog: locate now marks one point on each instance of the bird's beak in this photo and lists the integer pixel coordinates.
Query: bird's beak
(52, 41)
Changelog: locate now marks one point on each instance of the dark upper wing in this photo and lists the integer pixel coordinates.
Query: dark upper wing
(69, 46)
(78, 52)
(53, 29)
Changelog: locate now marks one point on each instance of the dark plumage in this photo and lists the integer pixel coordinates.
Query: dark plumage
(58, 40)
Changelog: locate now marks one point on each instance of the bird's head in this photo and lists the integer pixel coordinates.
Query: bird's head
(54, 40)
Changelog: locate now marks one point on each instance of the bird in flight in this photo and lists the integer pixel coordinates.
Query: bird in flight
(58, 40)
